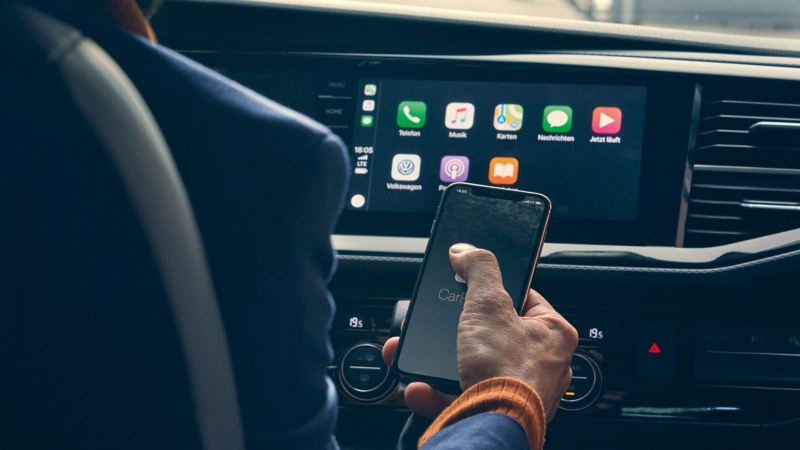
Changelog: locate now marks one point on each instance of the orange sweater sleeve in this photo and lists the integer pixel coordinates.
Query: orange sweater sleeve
(502, 395)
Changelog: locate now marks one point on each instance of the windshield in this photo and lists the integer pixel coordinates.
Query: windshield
(766, 18)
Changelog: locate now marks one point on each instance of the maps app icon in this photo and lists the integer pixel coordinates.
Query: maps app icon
(454, 168)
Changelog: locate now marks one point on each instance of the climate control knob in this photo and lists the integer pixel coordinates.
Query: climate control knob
(363, 375)
(586, 385)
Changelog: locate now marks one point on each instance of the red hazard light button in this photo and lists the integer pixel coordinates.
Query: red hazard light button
(655, 355)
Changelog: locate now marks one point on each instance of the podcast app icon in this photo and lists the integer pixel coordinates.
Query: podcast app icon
(454, 168)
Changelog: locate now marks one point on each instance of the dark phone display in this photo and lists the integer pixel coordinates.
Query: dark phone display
(510, 228)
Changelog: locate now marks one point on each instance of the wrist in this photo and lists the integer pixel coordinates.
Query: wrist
(503, 395)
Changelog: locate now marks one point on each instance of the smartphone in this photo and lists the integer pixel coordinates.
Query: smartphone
(511, 224)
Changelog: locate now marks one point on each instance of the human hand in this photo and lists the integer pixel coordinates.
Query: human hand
(421, 398)
(494, 341)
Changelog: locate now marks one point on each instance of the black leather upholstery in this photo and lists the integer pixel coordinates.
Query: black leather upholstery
(109, 329)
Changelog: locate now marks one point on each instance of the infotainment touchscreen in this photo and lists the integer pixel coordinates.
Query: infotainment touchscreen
(581, 145)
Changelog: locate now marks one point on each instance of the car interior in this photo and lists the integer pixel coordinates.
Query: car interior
(671, 156)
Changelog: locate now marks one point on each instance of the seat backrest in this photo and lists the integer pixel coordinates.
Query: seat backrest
(110, 335)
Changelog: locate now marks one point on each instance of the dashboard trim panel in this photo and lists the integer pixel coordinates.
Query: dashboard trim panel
(606, 61)
(729, 257)
(499, 21)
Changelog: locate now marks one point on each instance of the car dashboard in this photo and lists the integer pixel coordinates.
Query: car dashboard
(673, 168)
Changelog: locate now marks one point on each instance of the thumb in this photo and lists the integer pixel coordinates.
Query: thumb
(476, 266)
(486, 298)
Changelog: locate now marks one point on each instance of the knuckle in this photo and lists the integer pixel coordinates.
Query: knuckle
(502, 297)
(484, 256)
(568, 332)
(572, 336)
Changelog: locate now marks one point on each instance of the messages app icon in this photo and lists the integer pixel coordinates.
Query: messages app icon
(557, 119)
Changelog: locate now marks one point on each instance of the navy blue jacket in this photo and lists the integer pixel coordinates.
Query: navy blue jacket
(267, 185)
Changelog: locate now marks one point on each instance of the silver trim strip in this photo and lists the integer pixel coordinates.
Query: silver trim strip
(775, 124)
(725, 352)
(550, 251)
(770, 206)
(379, 244)
(599, 60)
(746, 169)
(334, 97)
(364, 368)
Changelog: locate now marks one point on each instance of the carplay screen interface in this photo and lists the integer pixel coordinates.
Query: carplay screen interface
(510, 228)
(581, 145)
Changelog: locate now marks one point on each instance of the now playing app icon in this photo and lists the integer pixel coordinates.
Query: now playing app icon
(606, 120)
(454, 168)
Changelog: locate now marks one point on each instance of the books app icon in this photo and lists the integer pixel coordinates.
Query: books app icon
(503, 170)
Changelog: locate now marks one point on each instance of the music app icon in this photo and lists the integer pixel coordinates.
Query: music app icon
(459, 116)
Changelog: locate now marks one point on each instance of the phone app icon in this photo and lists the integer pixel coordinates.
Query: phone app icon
(411, 114)
(367, 120)
(405, 167)
(454, 168)
(606, 120)
(508, 117)
(459, 116)
(370, 89)
(503, 170)
(557, 119)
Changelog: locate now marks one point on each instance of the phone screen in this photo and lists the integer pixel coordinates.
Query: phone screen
(508, 223)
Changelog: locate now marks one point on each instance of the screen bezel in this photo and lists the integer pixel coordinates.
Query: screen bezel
(519, 299)
(661, 172)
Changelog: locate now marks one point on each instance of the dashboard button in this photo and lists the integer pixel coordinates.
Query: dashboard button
(718, 338)
(586, 384)
(334, 112)
(578, 389)
(761, 340)
(336, 87)
(655, 355)
(363, 375)
(790, 341)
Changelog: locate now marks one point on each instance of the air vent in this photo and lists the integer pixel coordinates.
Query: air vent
(746, 180)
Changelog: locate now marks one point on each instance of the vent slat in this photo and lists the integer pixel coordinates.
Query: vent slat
(714, 217)
(745, 184)
(746, 169)
(745, 188)
(727, 233)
